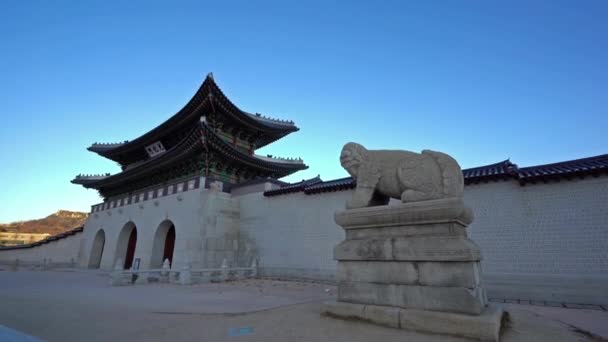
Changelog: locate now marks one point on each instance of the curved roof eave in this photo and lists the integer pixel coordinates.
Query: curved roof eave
(252, 160)
(175, 153)
(192, 143)
(209, 89)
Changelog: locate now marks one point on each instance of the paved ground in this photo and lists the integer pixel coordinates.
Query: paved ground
(551, 304)
(81, 306)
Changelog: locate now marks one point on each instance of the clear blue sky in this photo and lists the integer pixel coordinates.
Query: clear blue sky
(481, 80)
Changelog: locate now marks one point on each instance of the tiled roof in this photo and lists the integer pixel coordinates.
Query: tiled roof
(333, 185)
(201, 138)
(209, 98)
(46, 240)
(592, 166)
(504, 170)
(294, 187)
(259, 181)
(501, 170)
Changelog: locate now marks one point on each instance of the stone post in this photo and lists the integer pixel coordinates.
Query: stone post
(185, 275)
(411, 266)
(164, 274)
(254, 268)
(140, 277)
(166, 267)
(224, 268)
(117, 277)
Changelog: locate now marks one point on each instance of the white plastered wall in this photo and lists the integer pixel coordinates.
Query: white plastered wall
(183, 209)
(543, 241)
(206, 229)
(62, 252)
(294, 233)
(539, 241)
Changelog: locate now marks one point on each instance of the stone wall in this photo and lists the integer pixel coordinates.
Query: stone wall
(13, 238)
(543, 241)
(61, 252)
(205, 221)
(181, 209)
(295, 233)
(539, 241)
(220, 232)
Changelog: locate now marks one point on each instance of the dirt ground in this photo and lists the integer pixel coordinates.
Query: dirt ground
(81, 306)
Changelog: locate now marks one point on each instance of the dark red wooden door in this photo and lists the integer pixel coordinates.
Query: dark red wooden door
(131, 249)
(169, 245)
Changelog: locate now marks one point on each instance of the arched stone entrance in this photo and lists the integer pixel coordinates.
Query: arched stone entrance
(127, 241)
(97, 249)
(164, 244)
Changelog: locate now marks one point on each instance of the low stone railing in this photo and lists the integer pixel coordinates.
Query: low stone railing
(184, 276)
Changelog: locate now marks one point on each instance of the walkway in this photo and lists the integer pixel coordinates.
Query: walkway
(81, 306)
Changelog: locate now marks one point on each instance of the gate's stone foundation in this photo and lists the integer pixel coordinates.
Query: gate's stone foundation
(411, 266)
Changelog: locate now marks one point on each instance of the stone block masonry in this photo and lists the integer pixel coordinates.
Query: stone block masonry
(405, 280)
(541, 241)
(481, 327)
(464, 274)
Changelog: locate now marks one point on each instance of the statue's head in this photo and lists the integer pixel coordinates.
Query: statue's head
(352, 156)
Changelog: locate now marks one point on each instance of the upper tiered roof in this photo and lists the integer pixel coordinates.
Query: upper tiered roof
(210, 136)
(208, 101)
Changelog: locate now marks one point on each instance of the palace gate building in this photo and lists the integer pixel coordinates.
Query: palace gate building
(175, 186)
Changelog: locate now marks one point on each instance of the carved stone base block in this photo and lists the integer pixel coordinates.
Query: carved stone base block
(411, 266)
(485, 326)
(450, 299)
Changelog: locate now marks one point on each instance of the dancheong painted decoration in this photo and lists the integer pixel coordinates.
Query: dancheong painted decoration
(209, 137)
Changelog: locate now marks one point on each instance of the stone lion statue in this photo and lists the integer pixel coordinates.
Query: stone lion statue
(409, 176)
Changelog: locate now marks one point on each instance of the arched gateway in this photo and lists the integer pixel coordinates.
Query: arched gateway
(127, 241)
(164, 243)
(97, 249)
(208, 141)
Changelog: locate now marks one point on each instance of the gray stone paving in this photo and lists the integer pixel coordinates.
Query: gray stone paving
(551, 304)
(81, 306)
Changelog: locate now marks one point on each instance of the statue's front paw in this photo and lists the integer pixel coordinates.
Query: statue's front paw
(353, 203)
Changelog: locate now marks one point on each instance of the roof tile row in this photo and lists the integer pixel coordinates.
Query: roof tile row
(504, 170)
(294, 187)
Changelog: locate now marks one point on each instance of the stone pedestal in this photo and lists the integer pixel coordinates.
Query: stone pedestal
(411, 266)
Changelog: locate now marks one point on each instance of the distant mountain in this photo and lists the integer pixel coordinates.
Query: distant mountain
(58, 222)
